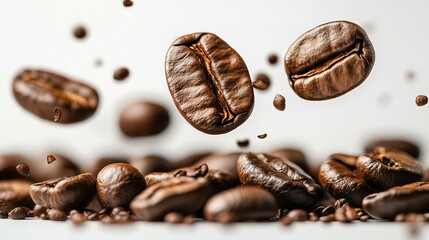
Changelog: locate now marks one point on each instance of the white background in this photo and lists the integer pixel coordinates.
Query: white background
(37, 34)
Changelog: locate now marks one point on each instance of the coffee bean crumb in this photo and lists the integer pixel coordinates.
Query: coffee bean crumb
(128, 3)
(273, 58)
(50, 159)
(79, 32)
(421, 100)
(57, 114)
(243, 143)
(262, 136)
(121, 74)
(262, 81)
(23, 169)
(57, 215)
(279, 102)
(31, 214)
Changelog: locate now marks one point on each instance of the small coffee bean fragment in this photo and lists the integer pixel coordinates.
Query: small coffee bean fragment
(262, 81)
(39, 210)
(121, 74)
(313, 217)
(340, 203)
(188, 219)
(78, 218)
(128, 3)
(173, 217)
(298, 215)
(243, 143)
(364, 218)
(44, 216)
(57, 114)
(345, 214)
(262, 136)
(328, 210)
(79, 32)
(18, 213)
(50, 159)
(31, 213)
(23, 169)
(421, 100)
(57, 215)
(273, 58)
(286, 220)
(3, 214)
(327, 218)
(279, 102)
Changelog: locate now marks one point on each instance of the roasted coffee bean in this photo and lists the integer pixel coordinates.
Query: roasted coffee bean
(44, 216)
(286, 220)
(61, 167)
(313, 217)
(121, 74)
(93, 217)
(279, 102)
(364, 218)
(40, 92)
(3, 214)
(64, 193)
(225, 162)
(38, 210)
(328, 210)
(188, 219)
(23, 169)
(79, 32)
(244, 203)
(386, 168)
(18, 213)
(340, 203)
(57, 215)
(14, 193)
(128, 3)
(57, 114)
(262, 136)
(403, 145)
(409, 198)
(50, 159)
(195, 172)
(273, 58)
(345, 214)
(100, 163)
(298, 215)
(173, 217)
(329, 60)
(221, 181)
(118, 184)
(78, 218)
(328, 218)
(341, 181)
(262, 81)
(143, 118)
(209, 83)
(150, 163)
(8, 163)
(294, 155)
(184, 195)
(318, 210)
(243, 143)
(116, 211)
(348, 160)
(291, 186)
(421, 100)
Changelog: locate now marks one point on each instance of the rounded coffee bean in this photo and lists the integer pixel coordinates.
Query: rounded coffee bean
(150, 163)
(121, 74)
(8, 163)
(209, 83)
(403, 145)
(298, 215)
(410, 198)
(101, 162)
(18, 213)
(386, 168)
(118, 184)
(23, 169)
(290, 185)
(143, 119)
(329, 60)
(56, 215)
(184, 195)
(272, 58)
(14, 193)
(262, 81)
(340, 180)
(221, 181)
(279, 102)
(3, 214)
(64, 193)
(40, 92)
(244, 203)
(79, 32)
(421, 100)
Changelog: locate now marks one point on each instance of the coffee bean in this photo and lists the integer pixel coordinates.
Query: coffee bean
(348, 160)
(39, 92)
(61, 167)
(188, 219)
(262, 81)
(294, 155)
(150, 163)
(14, 193)
(31, 214)
(78, 218)
(273, 58)
(313, 217)
(286, 221)
(3, 214)
(44, 216)
(328, 218)
(298, 215)
(220, 181)
(18, 213)
(38, 210)
(100, 163)
(184, 195)
(209, 83)
(50, 159)
(405, 199)
(386, 168)
(262, 136)
(8, 163)
(290, 185)
(340, 203)
(279, 102)
(173, 217)
(116, 211)
(243, 143)
(345, 214)
(403, 145)
(329, 60)
(57, 215)
(64, 193)
(143, 118)
(328, 210)
(245, 203)
(23, 169)
(364, 218)
(57, 114)
(118, 184)
(128, 3)
(195, 172)
(318, 210)
(341, 181)
(225, 162)
(79, 32)
(421, 100)
(121, 74)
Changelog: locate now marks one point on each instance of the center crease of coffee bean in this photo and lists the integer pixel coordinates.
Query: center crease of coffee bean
(227, 115)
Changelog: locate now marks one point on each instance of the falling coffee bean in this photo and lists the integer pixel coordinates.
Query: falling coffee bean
(79, 32)
(262, 81)
(128, 3)
(121, 74)
(279, 102)
(209, 83)
(50, 159)
(329, 60)
(243, 143)
(57, 114)
(273, 58)
(421, 100)
(262, 136)
(23, 169)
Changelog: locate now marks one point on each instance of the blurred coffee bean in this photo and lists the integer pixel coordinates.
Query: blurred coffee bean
(15, 193)
(294, 155)
(421, 100)
(8, 163)
(298, 215)
(150, 163)
(121, 74)
(56, 215)
(243, 143)
(18, 213)
(261, 82)
(221, 181)
(272, 58)
(23, 169)
(3, 214)
(279, 102)
(403, 145)
(79, 32)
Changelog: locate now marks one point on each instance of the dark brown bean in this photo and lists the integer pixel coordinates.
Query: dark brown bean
(298, 215)
(118, 184)
(272, 58)
(243, 143)
(18, 213)
(329, 60)
(40, 92)
(346, 214)
(279, 102)
(328, 210)
(121, 74)
(262, 136)
(245, 203)
(291, 186)
(23, 169)
(38, 210)
(404, 145)
(65, 193)
(50, 159)
(262, 81)
(128, 3)
(57, 215)
(79, 32)
(143, 118)
(57, 114)
(209, 83)
(195, 172)
(8, 163)
(3, 214)
(14, 193)
(421, 100)
(173, 217)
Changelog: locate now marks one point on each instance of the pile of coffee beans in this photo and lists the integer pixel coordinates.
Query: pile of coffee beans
(212, 89)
